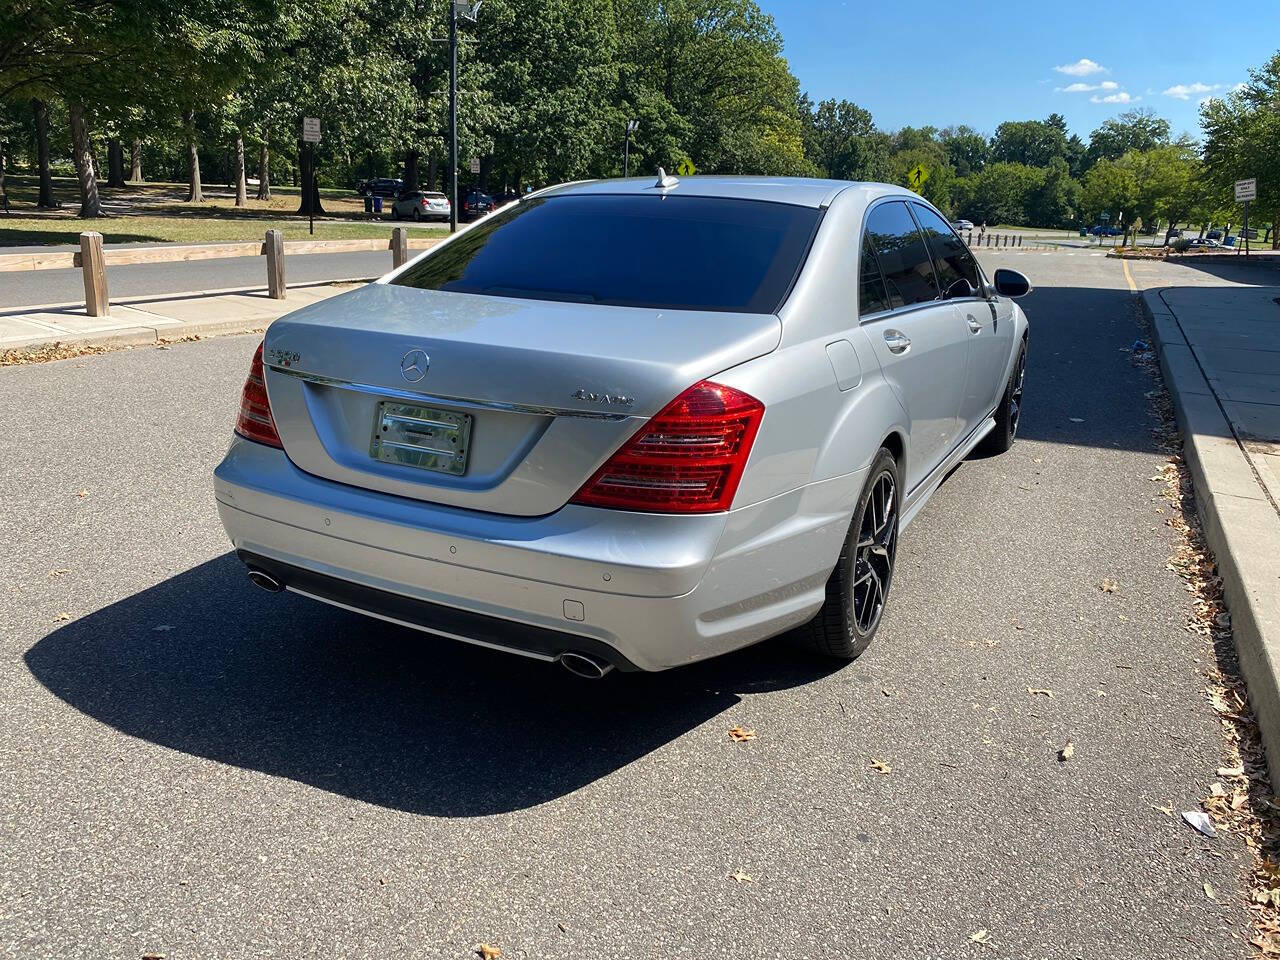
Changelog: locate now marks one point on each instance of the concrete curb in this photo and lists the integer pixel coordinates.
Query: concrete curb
(1240, 524)
(1263, 261)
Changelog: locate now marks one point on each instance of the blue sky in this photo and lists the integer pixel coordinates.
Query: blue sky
(916, 62)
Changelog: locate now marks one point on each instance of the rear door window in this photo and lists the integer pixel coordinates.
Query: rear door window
(872, 297)
(638, 250)
(951, 258)
(904, 258)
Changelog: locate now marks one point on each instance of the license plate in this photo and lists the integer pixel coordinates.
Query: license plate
(423, 437)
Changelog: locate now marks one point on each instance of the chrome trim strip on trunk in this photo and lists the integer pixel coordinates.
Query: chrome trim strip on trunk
(417, 397)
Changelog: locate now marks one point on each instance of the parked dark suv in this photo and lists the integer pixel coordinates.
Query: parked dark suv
(476, 205)
(380, 187)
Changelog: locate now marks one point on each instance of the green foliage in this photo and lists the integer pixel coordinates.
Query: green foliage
(1003, 193)
(1138, 129)
(1109, 187)
(842, 140)
(1033, 143)
(1241, 134)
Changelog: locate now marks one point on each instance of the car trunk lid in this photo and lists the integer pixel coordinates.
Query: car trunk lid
(534, 395)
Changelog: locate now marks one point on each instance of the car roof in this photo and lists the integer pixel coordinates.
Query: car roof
(802, 191)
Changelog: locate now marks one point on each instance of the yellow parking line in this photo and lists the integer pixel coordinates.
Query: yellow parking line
(1133, 287)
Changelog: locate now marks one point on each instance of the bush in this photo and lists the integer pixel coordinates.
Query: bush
(1181, 245)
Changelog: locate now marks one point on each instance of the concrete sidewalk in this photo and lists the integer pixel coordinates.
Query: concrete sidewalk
(1220, 353)
(138, 321)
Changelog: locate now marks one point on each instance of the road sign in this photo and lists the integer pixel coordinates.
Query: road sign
(1246, 189)
(686, 168)
(1104, 216)
(475, 164)
(310, 129)
(917, 177)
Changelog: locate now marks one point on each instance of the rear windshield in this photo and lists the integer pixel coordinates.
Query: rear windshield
(662, 251)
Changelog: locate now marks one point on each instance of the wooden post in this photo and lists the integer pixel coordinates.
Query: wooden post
(94, 268)
(274, 249)
(399, 246)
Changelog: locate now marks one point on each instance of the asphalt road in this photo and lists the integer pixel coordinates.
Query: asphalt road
(193, 767)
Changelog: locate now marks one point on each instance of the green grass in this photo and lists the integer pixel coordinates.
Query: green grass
(15, 231)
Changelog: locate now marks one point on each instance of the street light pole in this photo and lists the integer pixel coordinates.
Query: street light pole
(453, 116)
(626, 148)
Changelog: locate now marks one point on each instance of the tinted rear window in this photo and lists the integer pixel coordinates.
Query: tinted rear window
(665, 252)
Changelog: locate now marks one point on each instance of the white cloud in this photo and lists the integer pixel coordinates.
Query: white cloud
(1084, 67)
(1185, 91)
(1121, 97)
(1086, 87)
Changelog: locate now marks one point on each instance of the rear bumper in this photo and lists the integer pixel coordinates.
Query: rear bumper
(640, 590)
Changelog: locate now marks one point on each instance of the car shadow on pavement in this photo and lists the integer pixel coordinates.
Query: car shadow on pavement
(207, 664)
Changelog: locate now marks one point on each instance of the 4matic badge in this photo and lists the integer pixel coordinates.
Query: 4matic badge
(614, 399)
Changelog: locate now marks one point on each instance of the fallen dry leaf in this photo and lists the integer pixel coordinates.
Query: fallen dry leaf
(1067, 752)
(486, 951)
(1167, 811)
(742, 877)
(61, 617)
(1217, 790)
(980, 936)
(1209, 891)
(153, 956)
(879, 766)
(1108, 586)
(60, 572)
(1231, 771)
(1040, 692)
(741, 734)
(82, 494)
(1238, 800)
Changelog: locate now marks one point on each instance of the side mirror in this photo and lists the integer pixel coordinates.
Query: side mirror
(961, 288)
(1010, 283)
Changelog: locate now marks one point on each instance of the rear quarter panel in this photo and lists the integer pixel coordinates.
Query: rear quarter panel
(814, 432)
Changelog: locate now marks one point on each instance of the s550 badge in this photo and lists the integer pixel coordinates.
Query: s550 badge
(614, 399)
(282, 358)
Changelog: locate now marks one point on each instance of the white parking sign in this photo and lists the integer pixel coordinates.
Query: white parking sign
(1247, 189)
(310, 129)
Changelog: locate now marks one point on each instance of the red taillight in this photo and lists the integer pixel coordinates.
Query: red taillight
(255, 421)
(687, 459)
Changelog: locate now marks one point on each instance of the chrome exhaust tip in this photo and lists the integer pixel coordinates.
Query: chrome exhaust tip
(265, 580)
(585, 665)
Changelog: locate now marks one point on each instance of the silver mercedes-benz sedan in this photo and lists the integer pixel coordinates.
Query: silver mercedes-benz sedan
(630, 424)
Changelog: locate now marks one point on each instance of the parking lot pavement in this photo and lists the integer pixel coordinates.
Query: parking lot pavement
(199, 769)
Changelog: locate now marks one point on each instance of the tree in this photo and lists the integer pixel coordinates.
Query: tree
(1241, 134)
(967, 150)
(1165, 181)
(1054, 202)
(1003, 193)
(1137, 129)
(1033, 143)
(1110, 188)
(842, 140)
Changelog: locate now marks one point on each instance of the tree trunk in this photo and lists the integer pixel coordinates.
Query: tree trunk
(264, 171)
(310, 191)
(194, 193)
(1275, 234)
(410, 171)
(432, 172)
(47, 201)
(135, 161)
(90, 205)
(115, 163)
(486, 167)
(242, 192)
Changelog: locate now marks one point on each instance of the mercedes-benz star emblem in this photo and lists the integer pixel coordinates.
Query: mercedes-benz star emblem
(414, 365)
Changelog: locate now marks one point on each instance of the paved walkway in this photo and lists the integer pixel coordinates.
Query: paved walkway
(142, 320)
(1234, 336)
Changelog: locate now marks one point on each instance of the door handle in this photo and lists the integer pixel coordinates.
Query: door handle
(974, 325)
(896, 341)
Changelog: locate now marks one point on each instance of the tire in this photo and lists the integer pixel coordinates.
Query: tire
(858, 587)
(1009, 413)
(417, 215)
(395, 214)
